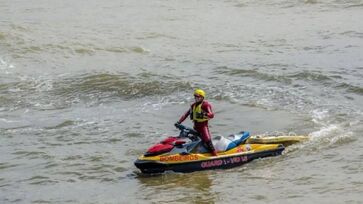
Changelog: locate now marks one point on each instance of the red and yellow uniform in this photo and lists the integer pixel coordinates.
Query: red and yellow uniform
(200, 112)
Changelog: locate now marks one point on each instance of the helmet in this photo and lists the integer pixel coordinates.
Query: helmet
(199, 92)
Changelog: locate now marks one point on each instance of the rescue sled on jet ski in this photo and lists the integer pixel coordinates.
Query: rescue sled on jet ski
(186, 153)
(285, 140)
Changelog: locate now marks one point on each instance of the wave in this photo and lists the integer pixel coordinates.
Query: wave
(355, 5)
(20, 42)
(285, 78)
(353, 34)
(253, 73)
(332, 129)
(119, 85)
(69, 49)
(310, 76)
(333, 80)
(332, 135)
(351, 88)
(94, 88)
(154, 35)
(65, 123)
(280, 3)
(2, 36)
(287, 4)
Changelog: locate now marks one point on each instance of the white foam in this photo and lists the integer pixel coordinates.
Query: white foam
(330, 133)
(319, 116)
(5, 66)
(7, 121)
(324, 131)
(162, 102)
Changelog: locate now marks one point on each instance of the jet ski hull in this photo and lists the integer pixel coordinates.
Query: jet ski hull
(198, 162)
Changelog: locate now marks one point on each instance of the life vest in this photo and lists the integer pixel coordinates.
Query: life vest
(196, 113)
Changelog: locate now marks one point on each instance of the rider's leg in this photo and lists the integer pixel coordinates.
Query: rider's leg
(206, 138)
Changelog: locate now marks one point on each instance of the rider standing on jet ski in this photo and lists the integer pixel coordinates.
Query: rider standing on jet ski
(200, 112)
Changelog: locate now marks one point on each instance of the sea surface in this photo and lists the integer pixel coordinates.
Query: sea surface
(87, 86)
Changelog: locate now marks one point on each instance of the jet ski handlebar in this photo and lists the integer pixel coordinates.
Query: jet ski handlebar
(186, 131)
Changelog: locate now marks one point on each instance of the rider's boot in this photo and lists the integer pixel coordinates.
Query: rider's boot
(211, 148)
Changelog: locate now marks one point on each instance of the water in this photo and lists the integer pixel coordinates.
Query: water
(85, 88)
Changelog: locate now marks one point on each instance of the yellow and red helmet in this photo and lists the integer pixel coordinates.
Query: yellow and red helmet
(199, 92)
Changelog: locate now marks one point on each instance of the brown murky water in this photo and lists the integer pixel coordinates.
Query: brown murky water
(86, 87)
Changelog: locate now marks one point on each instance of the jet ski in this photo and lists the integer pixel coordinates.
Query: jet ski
(187, 153)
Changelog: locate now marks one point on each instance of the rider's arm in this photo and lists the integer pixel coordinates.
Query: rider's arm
(207, 107)
(184, 116)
